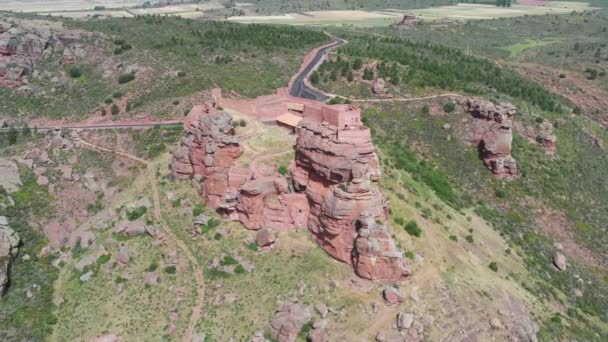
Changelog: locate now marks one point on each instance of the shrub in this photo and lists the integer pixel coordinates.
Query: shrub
(500, 193)
(108, 100)
(120, 280)
(493, 266)
(242, 123)
(153, 266)
(283, 170)
(413, 229)
(449, 107)
(239, 269)
(217, 236)
(469, 238)
(181, 74)
(170, 269)
(399, 220)
(136, 213)
(103, 259)
(252, 247)
(453, 238)
(114, 109)
(126, 78)
(228, 260)
(117, 94)
(425, 109)
(51, 319)
(198, 209)
(103, 112)
(75, 72)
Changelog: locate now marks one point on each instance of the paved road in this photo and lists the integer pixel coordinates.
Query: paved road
(299, 89)
(100, 126)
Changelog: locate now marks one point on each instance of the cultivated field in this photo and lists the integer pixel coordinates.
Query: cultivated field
(389, 16)
(478, 11)
(110, 8)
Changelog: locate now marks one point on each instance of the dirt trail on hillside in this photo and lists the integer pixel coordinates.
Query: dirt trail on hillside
(198, 273)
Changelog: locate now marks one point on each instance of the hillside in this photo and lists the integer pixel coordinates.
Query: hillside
(159, 183)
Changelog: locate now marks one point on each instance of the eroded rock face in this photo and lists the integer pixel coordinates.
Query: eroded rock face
(337, 170)
(9, 246)
(331, 187)
(208, 149)
(493, 134)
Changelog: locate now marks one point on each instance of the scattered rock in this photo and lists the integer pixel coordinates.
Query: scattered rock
(322, 310)
(289, 319)
(559, 260)
(258, 337)
(578, 292)
(150, 278)
(495, 323)
(392, 295)
(86, 277)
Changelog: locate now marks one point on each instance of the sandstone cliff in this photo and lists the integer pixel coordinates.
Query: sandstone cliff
(337, 169)
(331, 188)
(208, 151)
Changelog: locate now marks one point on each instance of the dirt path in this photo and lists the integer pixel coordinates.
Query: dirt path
(198, 273)
(407, 99)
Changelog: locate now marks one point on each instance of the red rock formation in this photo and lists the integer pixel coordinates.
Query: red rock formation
(492, 132)
(208, 150)
(333, 177)
(337, 168)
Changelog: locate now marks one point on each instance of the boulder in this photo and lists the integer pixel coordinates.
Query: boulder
(150, 278)
(321, 309)
(9, 246)
(378, 86)
(10, 179)
(392, 295)
(123, 255)
(559, 260)
(404, 320)
(264, 238)
(86, 277)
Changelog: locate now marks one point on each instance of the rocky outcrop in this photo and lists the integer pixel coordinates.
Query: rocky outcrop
(208, 151)
(289, 319)
(9, 246)
(337, 170)
(492, 132)
(330, 189)
(22, 47)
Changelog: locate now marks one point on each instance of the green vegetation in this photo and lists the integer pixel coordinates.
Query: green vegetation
(283, 170)
(170, 269)
(126, 78)
(151, 143)
(136, 213)
(412, 228)
(74, 72)
(31, 317)
(493, 266)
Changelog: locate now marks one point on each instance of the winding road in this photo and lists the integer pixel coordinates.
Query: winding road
(299, 87)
